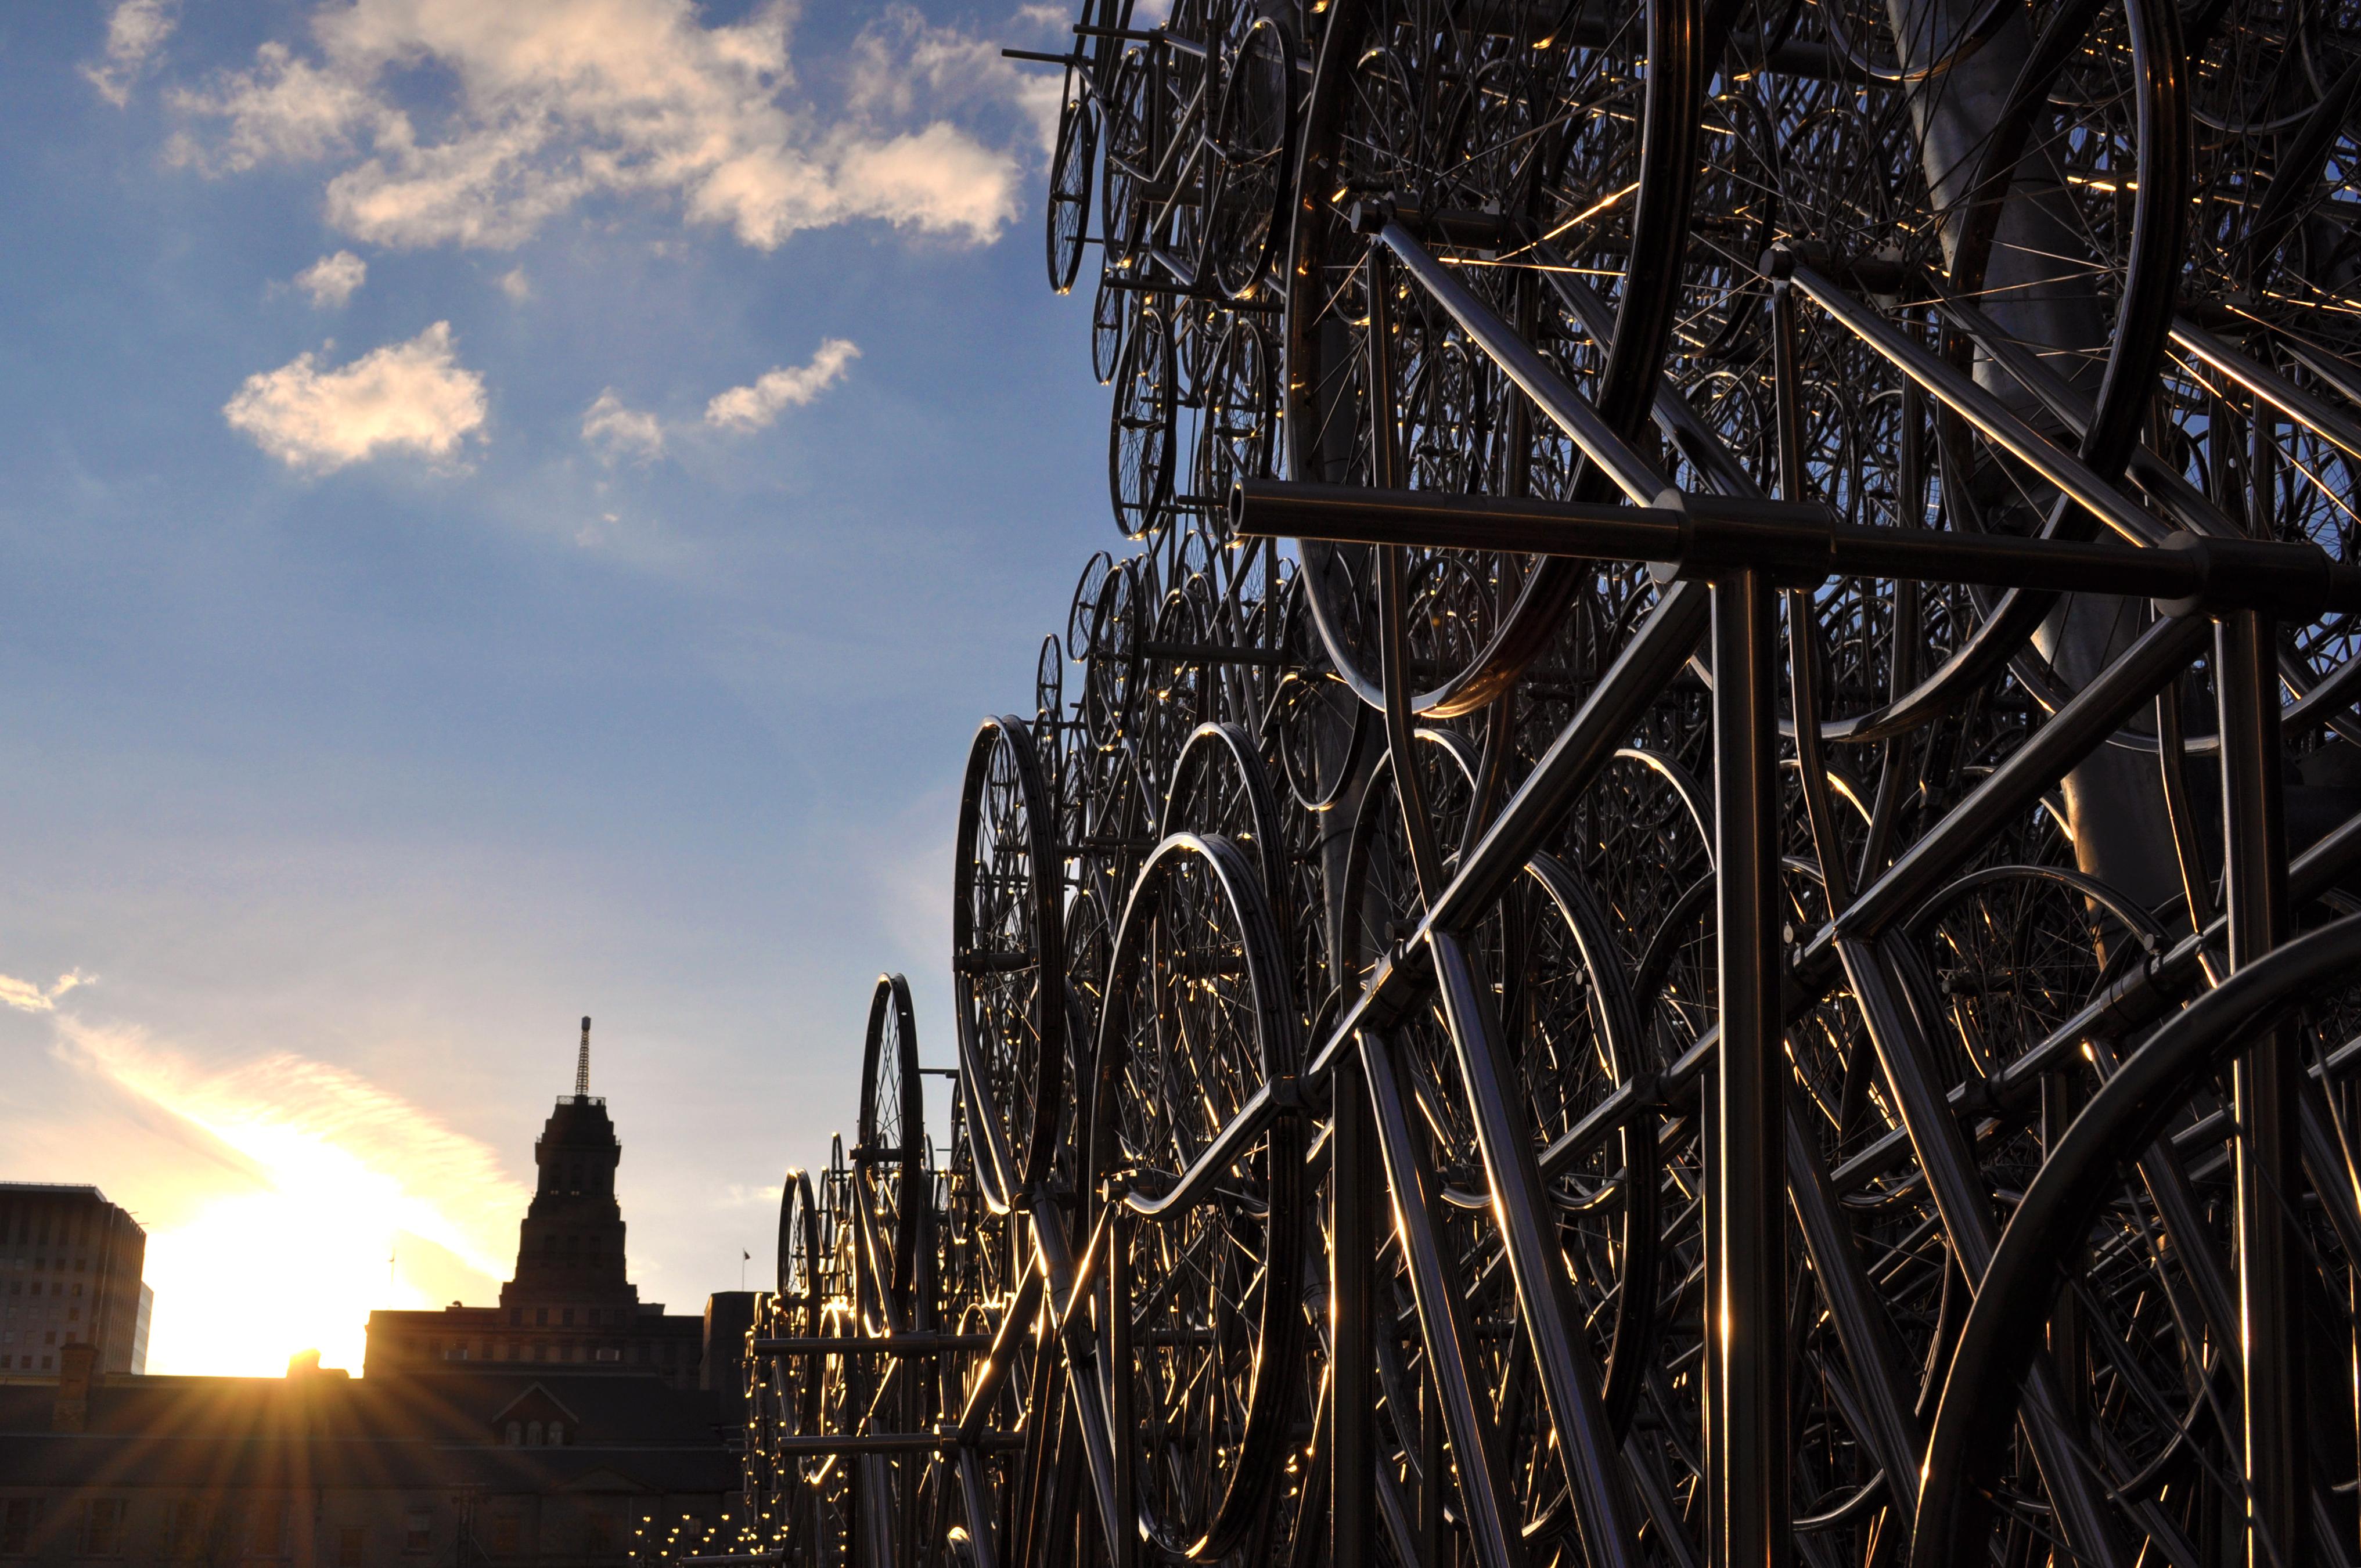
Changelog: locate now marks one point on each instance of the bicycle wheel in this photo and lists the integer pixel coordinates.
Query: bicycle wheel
(1197, 1018)
(1008, 958)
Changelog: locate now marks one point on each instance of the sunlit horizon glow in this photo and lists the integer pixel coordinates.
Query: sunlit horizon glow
(337, 1198)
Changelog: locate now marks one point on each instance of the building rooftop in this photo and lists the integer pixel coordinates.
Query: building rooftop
(55, 1189)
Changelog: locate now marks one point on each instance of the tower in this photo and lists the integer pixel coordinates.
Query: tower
(570, 1244)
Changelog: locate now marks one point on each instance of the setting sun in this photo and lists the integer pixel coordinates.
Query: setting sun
(328, 1198)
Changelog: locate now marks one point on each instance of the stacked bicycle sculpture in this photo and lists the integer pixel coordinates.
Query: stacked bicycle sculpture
(1737, 952)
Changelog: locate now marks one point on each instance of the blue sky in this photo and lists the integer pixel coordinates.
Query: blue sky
(511, 511)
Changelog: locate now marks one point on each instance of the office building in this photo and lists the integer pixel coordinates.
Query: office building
(69, 1271)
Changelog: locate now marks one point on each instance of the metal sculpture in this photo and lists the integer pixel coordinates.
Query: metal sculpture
(1697, 902)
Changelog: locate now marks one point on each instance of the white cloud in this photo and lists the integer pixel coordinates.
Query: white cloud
(555, 102)
(136, 31)
(405, 396)
(752, 407)
(615, 432)
(26, 997)
(901, 59)
(333, 279)
(516, 285)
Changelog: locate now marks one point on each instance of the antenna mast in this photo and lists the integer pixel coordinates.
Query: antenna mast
(582, 1063)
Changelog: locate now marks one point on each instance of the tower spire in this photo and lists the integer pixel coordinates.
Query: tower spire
(582, 1062)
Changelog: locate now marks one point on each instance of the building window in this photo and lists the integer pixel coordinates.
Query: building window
(418, 1532)
(533, 1435)
(516, 1317)
(540, 1317)
(18, 1518)
(558, 1434)
(516, 1434)
(351, 1547)
(504, 1535)
(598, 1535)
(101, 1527)
(569, 1316)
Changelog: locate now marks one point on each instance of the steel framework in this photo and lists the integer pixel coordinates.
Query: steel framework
(1694, 908)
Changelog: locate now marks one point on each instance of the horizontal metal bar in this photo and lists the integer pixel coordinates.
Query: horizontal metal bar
(1806, 544)
(870, 1344)
(1437, 519)
(890, 1443)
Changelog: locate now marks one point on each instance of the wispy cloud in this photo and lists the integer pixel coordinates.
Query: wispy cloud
(617, 431)
(26, 997)
(289, 1114)
(334, 1183)
(135, 33)
(412, 396)
(752, 407)
(333, 280)
(554, 103)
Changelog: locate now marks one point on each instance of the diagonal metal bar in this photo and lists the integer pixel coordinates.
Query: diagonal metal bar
(1978, 407)
(1441, 1314)
(1567, 408)
(1570, 1381)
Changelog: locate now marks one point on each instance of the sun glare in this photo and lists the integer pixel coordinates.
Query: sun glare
(341, 1200)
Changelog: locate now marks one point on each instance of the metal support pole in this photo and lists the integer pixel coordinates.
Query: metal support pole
(2264, 1081)
(1393, 590)
(1745, 1214)
(1352, 1352)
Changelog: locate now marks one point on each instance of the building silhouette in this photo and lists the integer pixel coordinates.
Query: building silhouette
(69, 1272)
(319, 1470)
(554, 1431)
(570, 1301)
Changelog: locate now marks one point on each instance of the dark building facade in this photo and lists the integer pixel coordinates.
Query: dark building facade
(522, 1468)
(69, 1271)
(570, 1301)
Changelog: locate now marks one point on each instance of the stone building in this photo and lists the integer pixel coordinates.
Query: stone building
(69, 1270)
(570, 1301)
(515, 1468)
